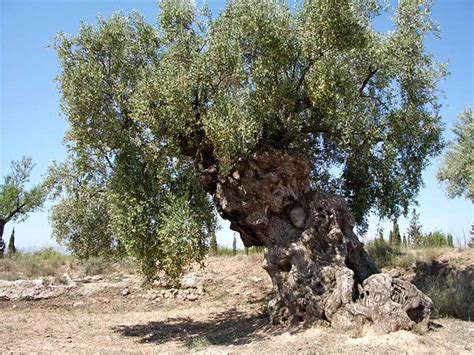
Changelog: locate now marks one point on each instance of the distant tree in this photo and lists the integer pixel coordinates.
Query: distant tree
(456, 170)
(11, 243)
(234, 246)
(16, 201)
(435, 239)
(213, 245)
(380, 235)
(450, 240)
(471, 242)
(395, 238)
(414, 233)
(405, 243)
(2, 247)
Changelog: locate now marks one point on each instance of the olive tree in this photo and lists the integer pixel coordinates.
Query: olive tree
(456, 169)
(16, 200)
(293, 123)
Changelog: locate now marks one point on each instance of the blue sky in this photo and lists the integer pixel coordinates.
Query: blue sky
(31, 125)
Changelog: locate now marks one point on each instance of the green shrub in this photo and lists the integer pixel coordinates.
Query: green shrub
(382, 252)
(95, 266)
(437, 239)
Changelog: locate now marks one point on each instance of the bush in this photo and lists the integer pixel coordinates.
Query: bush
(95, 266)
(225, 251)
(46, 262)
(451, 291)
(437, 239)
(382, 252)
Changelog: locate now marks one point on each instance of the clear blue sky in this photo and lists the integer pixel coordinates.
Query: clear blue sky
(31, 125)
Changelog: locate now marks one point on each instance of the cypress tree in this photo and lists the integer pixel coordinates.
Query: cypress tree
(415, 236)
(11, 243)
(381, 238)
(395, 238)
(450, 240)
(213, 245)
(234, 246)
(471, 243)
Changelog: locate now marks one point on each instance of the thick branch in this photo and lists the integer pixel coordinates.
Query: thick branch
(14, 212)
(372, 72)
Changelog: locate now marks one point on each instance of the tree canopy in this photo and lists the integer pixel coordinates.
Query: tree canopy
(457, 167)
(149, 107)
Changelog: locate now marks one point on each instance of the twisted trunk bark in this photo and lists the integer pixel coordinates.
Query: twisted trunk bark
(320, 270)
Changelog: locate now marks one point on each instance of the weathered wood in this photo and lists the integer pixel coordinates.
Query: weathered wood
(318, 266)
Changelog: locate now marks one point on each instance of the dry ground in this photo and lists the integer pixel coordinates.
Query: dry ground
(221, 312)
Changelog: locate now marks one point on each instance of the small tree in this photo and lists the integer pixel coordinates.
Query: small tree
(395, 238)
(234, 246)
(471, 242)
(213, 245)
(435, 239)
(11, 243)
(380, 235)
(450, 240)
(16, 201)
(415, 236)
(405, 243)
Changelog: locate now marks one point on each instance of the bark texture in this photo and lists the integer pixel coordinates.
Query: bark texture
(320, 270)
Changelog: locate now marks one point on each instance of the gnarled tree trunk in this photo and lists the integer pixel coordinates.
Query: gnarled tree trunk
(319, 269)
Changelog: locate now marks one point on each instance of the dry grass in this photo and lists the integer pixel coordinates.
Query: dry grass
(51, 263)
(228, 252)
(446, 275)
(452, 297)
(46, 262)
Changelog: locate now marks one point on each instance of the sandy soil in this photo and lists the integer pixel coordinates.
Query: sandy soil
(221, 312)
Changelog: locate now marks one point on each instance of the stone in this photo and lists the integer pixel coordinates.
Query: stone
(78, 304)
(192, 297)
(190, 280)
(30, 289)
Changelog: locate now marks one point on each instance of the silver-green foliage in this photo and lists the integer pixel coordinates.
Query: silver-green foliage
(16, 200)
(457, 169)
(147, 105)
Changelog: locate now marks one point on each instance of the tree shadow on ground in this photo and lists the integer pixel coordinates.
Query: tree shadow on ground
(223, 328)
